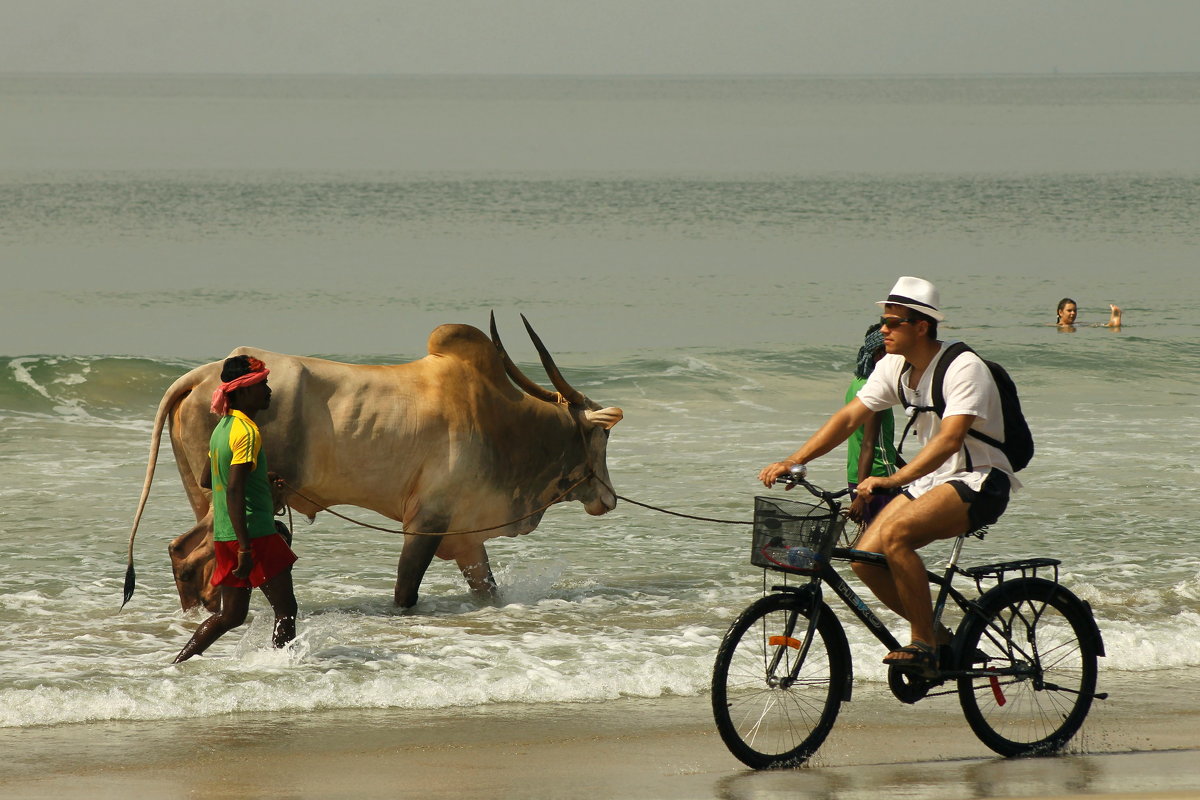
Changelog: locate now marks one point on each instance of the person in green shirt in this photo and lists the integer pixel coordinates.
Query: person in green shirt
(871, 450)
(249, 549)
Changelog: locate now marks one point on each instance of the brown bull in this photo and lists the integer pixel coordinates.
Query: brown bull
(444, 443)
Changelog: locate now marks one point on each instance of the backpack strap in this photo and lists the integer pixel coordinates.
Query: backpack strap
(939, 374)
(939, 398)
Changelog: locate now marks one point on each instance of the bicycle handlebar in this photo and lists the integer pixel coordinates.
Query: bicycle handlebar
(796, 476)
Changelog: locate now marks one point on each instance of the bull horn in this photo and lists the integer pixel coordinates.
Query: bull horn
(569, 393)
(518, 377)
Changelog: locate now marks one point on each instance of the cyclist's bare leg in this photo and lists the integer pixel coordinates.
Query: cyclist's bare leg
(904, 587)
(879, 579)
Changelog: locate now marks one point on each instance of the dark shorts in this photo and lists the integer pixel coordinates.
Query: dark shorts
(874, 505)
(985, 506)
(271, 557)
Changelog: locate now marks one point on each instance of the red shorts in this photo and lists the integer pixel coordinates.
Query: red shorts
(271, 557)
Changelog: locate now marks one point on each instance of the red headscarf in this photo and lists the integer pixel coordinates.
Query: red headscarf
(220, 398)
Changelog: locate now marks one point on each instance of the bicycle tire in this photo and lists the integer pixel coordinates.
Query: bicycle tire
(764, 722)
(1046, 635)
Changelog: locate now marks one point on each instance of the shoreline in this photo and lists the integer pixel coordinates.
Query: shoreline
(1144, 741)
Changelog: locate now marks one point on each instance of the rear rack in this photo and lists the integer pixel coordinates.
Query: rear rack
(1027, 567)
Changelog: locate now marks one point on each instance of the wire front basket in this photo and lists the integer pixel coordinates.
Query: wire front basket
(793, 536)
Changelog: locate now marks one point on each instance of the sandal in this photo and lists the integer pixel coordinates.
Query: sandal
(922, 659)
(945, 638)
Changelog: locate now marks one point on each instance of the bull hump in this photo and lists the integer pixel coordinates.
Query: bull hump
(457, 340)
(464, 342)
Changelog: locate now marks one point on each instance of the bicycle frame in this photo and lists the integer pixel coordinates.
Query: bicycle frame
(858, 606)
(863, 612)
(876, 626)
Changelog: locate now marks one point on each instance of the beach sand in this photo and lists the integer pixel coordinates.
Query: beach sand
(1142, 742)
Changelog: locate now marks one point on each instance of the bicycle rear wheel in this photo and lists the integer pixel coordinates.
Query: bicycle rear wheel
(770, 711)
(1034, 690)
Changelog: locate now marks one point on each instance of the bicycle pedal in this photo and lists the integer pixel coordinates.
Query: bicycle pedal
(946, 656)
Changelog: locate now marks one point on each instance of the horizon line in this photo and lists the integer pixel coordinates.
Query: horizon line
(606, 75)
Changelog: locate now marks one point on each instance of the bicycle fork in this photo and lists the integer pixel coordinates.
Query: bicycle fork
(787, 642)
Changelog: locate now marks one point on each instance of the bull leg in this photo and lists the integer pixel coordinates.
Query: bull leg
(192, 564)
(415, 557)
(474, 566)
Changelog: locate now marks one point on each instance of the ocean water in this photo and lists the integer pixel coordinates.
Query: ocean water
(703, 253)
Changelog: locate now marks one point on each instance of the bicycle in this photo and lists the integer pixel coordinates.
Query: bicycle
(1023, 659)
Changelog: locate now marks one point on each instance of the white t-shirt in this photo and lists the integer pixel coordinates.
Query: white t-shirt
(968, 389)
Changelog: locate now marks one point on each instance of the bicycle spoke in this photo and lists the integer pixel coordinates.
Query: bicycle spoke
(771, 707)
(1038, 683)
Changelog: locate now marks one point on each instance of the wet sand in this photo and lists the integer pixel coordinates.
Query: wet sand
(1142, 742)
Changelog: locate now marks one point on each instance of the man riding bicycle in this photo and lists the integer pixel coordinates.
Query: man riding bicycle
(956, 483)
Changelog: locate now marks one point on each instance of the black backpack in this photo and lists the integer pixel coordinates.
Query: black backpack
(1018, 440)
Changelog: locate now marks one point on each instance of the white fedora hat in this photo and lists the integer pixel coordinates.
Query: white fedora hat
(917, 294)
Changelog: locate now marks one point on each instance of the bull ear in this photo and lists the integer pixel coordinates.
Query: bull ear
(532, 389)
(605, 417)
(569, 393)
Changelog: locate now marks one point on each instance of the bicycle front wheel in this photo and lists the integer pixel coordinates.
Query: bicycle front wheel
(1034, 689)
(772, 711)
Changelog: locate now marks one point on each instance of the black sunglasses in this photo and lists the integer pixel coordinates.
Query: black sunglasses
(895, 322)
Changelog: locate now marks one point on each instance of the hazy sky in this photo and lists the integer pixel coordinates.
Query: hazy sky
(600, 36)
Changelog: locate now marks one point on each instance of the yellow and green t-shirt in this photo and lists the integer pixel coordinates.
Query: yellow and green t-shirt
(237, 440)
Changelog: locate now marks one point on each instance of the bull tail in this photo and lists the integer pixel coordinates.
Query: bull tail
(180, 389)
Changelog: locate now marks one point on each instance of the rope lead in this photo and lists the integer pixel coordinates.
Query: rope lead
(362, 524)
(557, 499)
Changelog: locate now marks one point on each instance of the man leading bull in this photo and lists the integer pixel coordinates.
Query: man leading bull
(249, 549)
